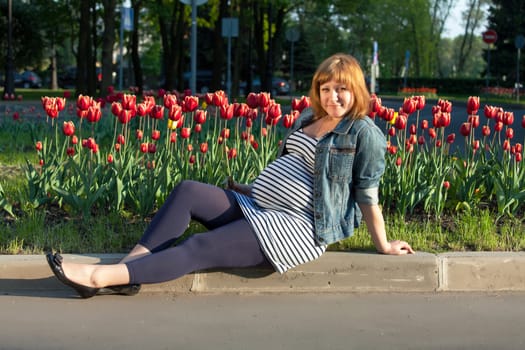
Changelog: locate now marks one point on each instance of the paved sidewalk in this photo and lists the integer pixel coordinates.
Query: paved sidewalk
(333, 272)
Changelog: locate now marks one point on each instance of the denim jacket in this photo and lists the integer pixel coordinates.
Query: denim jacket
(349, 163)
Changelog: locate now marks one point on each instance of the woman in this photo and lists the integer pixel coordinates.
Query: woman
(325, 178)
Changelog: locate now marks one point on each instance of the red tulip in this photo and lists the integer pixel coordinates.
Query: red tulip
(142, 109)
(438, 143)
(451, 138)
(175, 113)
(388, 114)
(197, 128)
(472, 105)
(169, 100)
(444, 119)
(421, 140)
(252, 100)
(288, 120)
(254, 144)
(68, 128)
(74, 140)
(129, 102)
(518, 157)
(264, 99)
(475, 145)
(485, 130)
(232, 153)
(125, 116)
(392, 149)
(94, 114)
(200, 116)
(275, 111)
(446, 106)
(110, 158)
(412, 129)
(227, 111)
(204, 147)
(490, 112)
(219, 98)
(474, 120)
(432, 133)
(157, 112)
(465, 129)
(152, 148)
(446, 185)
(399, 161)
(409, 105)
(173, 137)
(523, 121)
(424, 124)
(117, 147)
(70, 151)
(519, 147)
(155, 135)
(83, 102)
(60, 103)
(185, 133)
(506, 145)
(509, 133)
(392, 131)
(508, 118)
(498, 126)
(401, 122)
(190, 103)
(420, 102)
(38, 145)
(225, 133)
(116, 108)
(302, 103)
(139, 134)
(144, 147)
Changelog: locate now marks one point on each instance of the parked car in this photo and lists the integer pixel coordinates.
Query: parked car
(279, 86)
(68, 78)
(27, 79)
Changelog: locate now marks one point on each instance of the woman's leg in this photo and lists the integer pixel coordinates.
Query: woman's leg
(210, 205)
(231, 245)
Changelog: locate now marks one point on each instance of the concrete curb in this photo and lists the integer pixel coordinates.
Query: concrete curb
(337, 272)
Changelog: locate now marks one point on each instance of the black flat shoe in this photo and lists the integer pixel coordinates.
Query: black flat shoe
(127, 289)
(55, 263)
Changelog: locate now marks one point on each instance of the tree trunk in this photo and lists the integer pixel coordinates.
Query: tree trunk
(137, 67)
(108, 42)
(84, 48)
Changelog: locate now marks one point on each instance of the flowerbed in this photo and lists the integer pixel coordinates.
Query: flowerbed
(122, 155)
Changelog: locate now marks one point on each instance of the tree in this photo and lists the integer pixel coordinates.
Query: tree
(506, 18)
(472, 17)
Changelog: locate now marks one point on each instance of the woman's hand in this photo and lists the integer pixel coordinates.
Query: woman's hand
(398, 247)
(237, 187)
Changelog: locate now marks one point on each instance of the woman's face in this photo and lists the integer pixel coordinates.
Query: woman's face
(336, 98)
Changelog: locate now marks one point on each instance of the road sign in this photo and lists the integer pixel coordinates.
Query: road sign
(490, 36)
(519, 41)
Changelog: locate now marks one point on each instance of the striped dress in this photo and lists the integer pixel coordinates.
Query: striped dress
(280, 209)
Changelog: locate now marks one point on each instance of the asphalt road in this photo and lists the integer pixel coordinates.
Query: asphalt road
(285, 321)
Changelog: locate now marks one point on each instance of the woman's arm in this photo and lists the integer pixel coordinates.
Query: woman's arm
(376, 227)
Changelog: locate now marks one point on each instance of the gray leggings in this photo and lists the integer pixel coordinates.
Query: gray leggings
(229, 241)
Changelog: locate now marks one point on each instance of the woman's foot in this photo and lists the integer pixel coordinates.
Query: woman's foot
(55, 263)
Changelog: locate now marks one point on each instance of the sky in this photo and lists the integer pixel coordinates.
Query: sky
(454, 24)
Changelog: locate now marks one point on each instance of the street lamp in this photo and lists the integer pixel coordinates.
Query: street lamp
(9, 84)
